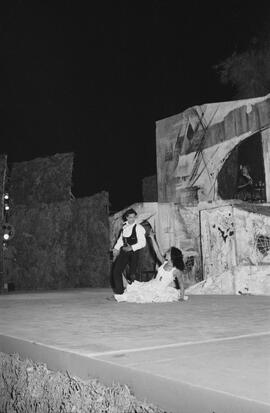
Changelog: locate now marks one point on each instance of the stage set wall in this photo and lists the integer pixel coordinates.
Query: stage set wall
(235, 249)
(60, 244)
(193, 146)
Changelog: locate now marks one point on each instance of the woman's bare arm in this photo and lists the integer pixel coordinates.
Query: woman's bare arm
(178, 274)
(156, 247)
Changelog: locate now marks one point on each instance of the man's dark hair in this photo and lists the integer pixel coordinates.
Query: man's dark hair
(129, 212)
(177, 258)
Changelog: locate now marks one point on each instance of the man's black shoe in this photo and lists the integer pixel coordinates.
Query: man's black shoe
(111, 298)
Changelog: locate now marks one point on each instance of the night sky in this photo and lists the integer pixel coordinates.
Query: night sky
(93, 77)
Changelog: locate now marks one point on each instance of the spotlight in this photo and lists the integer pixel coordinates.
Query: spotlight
(6, 196)
(6, 207)
(8, 231)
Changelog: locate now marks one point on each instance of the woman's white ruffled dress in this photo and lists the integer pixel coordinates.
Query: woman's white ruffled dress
(157, 290)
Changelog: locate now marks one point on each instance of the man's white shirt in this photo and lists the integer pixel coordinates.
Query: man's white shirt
(127, 231)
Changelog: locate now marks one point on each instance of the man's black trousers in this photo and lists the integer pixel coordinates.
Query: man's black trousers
(130, 258)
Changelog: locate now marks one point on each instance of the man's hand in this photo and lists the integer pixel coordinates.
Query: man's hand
(115, 253)
(128, 248)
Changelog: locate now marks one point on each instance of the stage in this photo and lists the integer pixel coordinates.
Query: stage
(209, 354)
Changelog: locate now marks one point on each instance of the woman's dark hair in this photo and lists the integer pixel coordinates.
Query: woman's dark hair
(177, 258)
(128, 212)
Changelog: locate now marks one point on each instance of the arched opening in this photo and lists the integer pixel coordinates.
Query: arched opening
(245, 160)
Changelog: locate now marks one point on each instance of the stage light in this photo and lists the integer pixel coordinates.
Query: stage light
(6, 207)
(6, 196)
(8, 231)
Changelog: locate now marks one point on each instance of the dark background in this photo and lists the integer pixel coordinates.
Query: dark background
(92, 78)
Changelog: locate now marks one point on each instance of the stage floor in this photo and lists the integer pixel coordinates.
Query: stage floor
(209, 354)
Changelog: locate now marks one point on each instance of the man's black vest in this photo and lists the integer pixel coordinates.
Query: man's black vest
(132, 239)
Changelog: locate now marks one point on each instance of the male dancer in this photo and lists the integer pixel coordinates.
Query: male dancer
(127, 249)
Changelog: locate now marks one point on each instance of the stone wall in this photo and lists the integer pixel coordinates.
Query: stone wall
(42, 180)
(3, 172)
(60, 241)
(60, 245)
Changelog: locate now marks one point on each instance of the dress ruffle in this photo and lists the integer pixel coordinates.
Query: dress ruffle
(158, 290)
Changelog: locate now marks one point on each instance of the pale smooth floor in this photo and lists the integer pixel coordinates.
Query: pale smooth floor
(219, 344)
